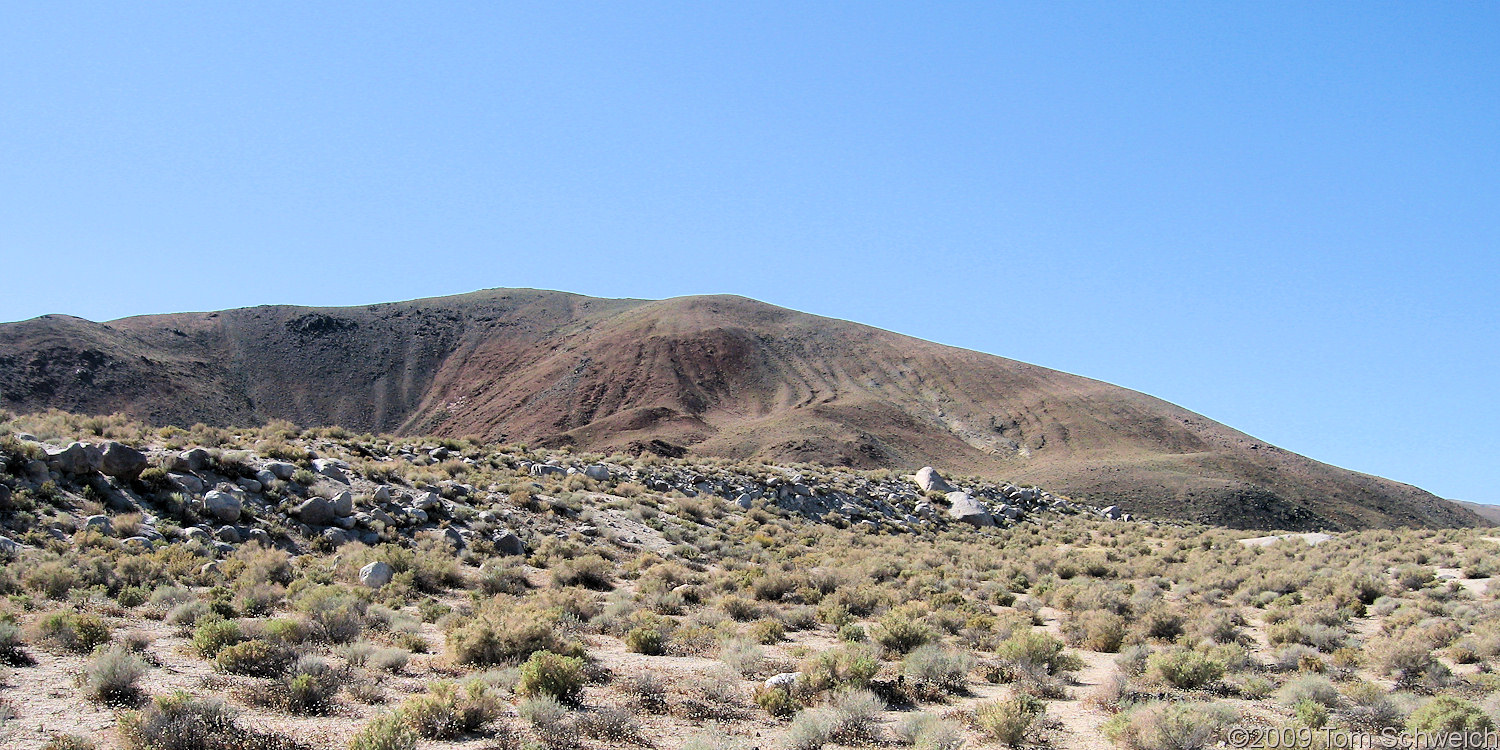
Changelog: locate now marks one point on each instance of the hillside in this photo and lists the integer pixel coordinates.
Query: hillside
(716, 376)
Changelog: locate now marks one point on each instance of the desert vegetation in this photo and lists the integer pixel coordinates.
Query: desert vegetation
(278, 587)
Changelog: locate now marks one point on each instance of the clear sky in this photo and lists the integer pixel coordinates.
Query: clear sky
(1285, 216)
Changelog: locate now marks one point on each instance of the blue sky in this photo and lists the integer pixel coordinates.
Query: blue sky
(1285, 216)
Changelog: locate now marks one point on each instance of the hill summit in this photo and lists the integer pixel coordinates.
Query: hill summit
(711, 376)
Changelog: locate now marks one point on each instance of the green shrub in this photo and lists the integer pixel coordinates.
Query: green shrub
(546, 673)
(1185, 669)
(856, 716)
(1095, 630)
(1009, 721)
(447, 711)
(1170, 726)
(900, 633)
(810, 730)
(388, 732)
(645, 640)
(1310, 713)
(111, 676)
(942, 669)
(506, 637)
(1313, 688)
(1034, 648)
(776, 701)
(68, 742)
(255, 658)
(1447, 714)
(71, 631)
(837, 669)
(615, 727)
(182, 722)
(590, 571)
(767, 632)
(12, 651)
(213, 635)
(925, 731)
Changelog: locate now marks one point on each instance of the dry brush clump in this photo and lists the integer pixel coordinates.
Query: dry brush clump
(654, 565)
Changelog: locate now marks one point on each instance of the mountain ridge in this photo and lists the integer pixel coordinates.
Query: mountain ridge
(717, 375)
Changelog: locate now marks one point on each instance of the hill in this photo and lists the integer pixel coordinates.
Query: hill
(714, 376)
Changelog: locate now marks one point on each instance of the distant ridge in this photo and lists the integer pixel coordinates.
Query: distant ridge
(713, 375)
(1490, 513)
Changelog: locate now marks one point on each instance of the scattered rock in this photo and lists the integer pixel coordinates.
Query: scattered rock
(507, 543)
(785, 680)
(77, 458)
(101, 523)
(119, 460)
(187, 483)
(196, 459)
(929, 479)
(343, 504)
(963, 507)
(315, 511)
(223, 506)
(331, 468)
(596, 472)
(281, 470)
(376, 574)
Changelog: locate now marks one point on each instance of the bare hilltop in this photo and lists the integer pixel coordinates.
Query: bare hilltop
(708, 376)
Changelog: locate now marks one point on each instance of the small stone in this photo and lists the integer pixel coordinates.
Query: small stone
(963, 507)
(187, 483)
(281, 470)
(315, 511)
(343, 503)
(77, 458)
(229, 534)
(507, 543)
(376, 574)
(223, 506)
(929, 479)
(119, 460)
(191, 460)
(596, 472)
(101, 523)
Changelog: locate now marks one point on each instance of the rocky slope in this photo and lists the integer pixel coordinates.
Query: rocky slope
(714, 376)
(344, 491)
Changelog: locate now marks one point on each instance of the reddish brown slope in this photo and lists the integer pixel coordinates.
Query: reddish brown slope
(722, 375)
